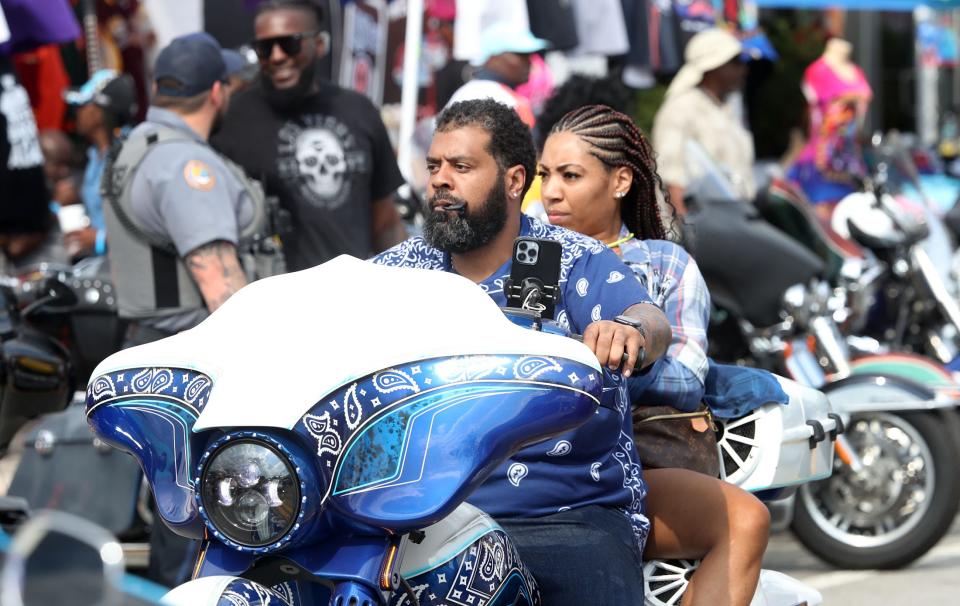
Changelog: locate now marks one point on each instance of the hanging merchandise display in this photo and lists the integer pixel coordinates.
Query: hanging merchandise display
(473, 16)
(937, 40)
(694, 16)
(554, 20)
(34, 23)
(364, 58)
(600, 28)
(42, 73)
(4, 28)
(172, 19)
(862, 5)
(831, 164)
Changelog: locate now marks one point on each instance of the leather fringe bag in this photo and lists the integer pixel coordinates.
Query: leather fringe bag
(668, 438)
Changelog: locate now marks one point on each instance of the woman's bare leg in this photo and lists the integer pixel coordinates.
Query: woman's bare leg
(694, 516)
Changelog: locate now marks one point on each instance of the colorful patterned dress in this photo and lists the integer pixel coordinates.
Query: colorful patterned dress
(831, 164)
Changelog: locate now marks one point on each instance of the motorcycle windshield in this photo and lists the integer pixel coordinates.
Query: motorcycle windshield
(280, 345)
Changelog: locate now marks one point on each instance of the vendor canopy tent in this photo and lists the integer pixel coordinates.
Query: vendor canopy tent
(861, 5)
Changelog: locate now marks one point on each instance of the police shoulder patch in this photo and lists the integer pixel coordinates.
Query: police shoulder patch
(198, 175)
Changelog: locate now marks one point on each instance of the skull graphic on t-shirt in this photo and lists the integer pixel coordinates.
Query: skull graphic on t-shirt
(321, 161)
(318, 156)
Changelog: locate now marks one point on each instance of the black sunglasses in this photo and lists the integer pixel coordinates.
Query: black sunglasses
(290, 45)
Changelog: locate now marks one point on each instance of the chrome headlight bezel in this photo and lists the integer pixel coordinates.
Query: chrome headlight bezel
(296, 521)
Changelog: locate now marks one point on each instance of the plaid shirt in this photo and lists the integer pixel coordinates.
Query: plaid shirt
(675, 283)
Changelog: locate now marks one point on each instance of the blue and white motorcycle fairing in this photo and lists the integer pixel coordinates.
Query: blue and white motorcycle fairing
(311, 429)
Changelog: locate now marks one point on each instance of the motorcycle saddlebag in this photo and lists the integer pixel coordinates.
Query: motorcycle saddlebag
(777, 447)
(65, 467)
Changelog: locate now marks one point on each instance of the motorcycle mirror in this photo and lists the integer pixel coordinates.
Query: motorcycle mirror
(55, 555)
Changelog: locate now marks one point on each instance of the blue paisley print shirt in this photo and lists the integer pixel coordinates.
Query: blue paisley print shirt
(597, 463)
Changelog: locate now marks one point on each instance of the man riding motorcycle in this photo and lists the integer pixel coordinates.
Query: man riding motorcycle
(573, 506)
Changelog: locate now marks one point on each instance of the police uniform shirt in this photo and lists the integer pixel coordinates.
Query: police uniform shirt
(183, 192)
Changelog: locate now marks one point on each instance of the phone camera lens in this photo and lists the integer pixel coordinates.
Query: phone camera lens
(522, 246)
(522, 257)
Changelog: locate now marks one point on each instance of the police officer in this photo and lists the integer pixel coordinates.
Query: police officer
(177, 213)
(179, 218)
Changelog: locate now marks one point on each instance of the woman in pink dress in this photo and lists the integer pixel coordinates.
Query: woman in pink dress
(831, 164)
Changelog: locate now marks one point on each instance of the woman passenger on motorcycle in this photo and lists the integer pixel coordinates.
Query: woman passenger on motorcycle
(599, 178)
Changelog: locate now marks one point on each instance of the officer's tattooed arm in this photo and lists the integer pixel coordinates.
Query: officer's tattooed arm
(216, 269)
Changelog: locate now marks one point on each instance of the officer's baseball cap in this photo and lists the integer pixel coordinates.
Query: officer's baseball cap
(235, 62)
(190, 65)
(114, 92)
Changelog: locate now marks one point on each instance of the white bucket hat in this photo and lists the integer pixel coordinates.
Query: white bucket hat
(708, 50)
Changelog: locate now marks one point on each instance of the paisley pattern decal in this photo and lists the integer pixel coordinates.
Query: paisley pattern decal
(531, 367)
(352, 410)
(361, 432)
(393, 380)
(321, 428)
(154, 409)
(188, 388)
(241, 592)
(488, 573)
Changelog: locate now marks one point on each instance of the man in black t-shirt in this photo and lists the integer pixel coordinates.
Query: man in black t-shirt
(321, 149)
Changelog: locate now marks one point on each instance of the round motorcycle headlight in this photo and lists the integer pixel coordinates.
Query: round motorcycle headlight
(250, 493)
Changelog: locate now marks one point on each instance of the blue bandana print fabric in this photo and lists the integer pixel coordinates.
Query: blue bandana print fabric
(597, 463)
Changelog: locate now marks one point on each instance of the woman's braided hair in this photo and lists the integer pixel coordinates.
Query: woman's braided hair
(616, 141)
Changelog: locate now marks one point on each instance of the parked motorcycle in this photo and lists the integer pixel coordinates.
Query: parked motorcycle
(57, 462)
(341, 478)
(893, 494)
(897, 250)
(89, 327)
(36, 375)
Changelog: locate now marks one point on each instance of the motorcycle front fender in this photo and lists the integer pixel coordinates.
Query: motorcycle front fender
(881, 393)
(911, 367)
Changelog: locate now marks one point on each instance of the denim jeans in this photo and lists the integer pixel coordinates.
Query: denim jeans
(581, 556)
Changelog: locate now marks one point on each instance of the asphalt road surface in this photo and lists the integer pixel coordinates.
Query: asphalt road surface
(933, 579)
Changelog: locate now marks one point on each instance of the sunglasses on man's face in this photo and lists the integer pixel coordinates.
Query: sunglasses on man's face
(290, 45)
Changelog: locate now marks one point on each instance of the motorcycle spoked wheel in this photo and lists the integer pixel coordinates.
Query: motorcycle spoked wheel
(664, 581)
(894, 511)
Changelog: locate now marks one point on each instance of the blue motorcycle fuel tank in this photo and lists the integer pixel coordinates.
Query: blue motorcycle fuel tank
(387, 425)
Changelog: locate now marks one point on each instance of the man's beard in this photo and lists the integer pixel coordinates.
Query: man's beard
(218, 121)
(290, 98)
(461, 232)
